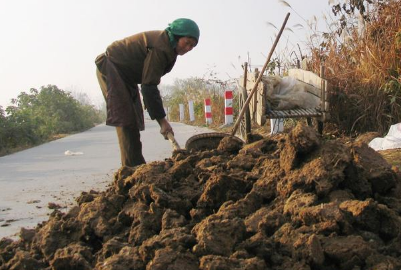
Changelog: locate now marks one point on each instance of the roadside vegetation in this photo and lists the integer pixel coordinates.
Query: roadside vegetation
(42, 115)
(362, 54)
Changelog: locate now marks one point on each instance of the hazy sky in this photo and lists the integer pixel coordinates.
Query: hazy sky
(56, 41)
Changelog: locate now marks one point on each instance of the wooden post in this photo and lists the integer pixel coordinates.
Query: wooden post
(323, 105)
(323, 88)
(245, 74)
(255, 100)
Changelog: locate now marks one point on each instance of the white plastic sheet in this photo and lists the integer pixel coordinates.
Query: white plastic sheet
(288, 93)
(391, 141)
(70, 153)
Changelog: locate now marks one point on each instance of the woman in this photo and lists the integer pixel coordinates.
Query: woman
(140, 59)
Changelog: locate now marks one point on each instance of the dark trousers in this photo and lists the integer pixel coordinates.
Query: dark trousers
(129, 137)
(129, 140)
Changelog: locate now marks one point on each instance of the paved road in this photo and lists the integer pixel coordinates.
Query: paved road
(30, 179)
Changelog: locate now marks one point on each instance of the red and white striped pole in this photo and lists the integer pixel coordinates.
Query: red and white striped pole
(228, 113)
(208, 111)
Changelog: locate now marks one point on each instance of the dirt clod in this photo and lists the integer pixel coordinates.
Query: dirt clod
(292, 201)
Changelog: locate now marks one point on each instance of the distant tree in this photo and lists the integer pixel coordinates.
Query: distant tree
(35, 116)
(3, 129)
(347, 8)
(22, 120)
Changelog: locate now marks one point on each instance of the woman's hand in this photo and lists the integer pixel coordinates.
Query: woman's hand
(165, 127)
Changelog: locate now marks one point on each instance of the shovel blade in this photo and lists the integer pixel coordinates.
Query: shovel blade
(206, 141)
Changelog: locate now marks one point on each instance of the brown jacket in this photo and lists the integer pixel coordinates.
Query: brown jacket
(139, 59)
(143, 58)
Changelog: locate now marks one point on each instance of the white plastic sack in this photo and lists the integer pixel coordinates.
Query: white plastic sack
(288, 93)
(391, 141)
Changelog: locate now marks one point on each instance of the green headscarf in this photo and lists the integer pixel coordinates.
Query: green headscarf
(182, 27)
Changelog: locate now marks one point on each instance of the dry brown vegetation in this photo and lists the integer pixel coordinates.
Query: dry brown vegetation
(364, 70)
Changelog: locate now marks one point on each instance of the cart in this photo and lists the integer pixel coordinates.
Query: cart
(260, 109)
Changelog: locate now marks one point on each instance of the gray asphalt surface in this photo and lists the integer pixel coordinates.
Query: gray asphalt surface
(58, 171)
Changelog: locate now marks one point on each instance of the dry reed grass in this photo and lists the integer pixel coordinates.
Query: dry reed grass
(365, 72)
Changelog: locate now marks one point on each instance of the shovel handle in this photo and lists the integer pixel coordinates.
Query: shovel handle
(173, 141)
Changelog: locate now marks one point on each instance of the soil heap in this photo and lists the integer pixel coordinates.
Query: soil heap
(293, 201)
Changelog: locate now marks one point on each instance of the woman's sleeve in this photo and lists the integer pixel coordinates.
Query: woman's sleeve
(153, 101)
(154, 68)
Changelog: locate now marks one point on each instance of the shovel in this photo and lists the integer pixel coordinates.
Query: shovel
(173, 141)
(208, 141)
(204, 141)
